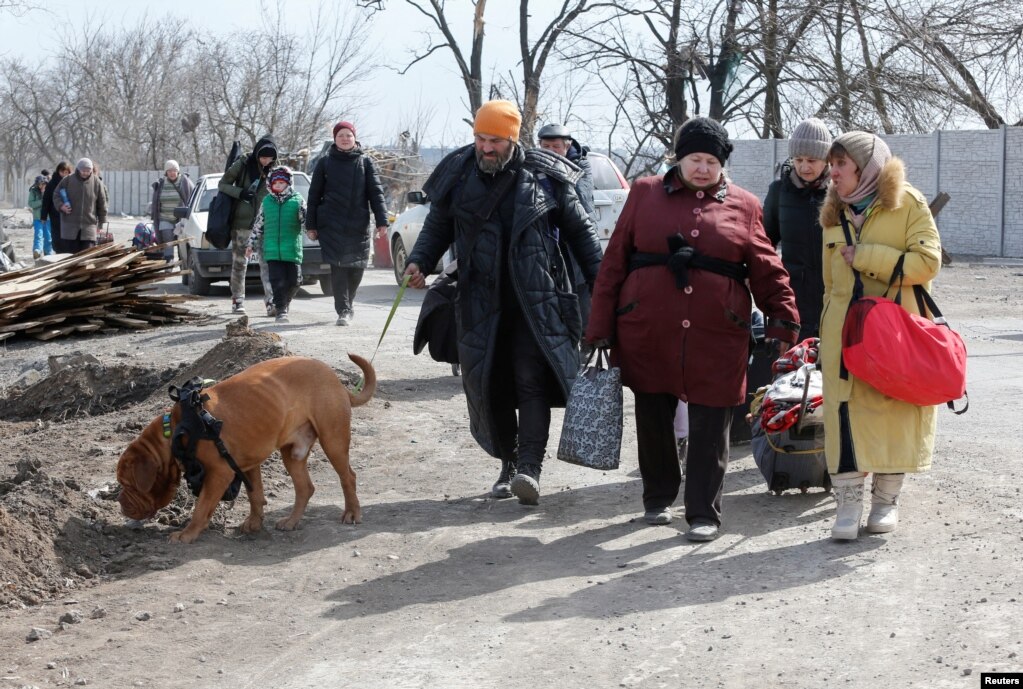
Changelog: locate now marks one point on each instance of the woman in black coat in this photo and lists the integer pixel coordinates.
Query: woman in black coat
(50, 208)
(344, 187)
(790, 218)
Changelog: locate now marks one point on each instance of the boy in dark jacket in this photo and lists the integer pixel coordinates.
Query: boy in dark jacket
(278, 228)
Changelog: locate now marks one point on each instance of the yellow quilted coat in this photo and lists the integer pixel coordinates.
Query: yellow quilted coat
(884, 434)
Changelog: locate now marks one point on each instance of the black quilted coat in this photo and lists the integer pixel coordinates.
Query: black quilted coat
(790, 217)
(535, 270)
(343, 189)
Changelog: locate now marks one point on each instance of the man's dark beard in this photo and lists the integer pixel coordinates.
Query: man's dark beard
(491, 166)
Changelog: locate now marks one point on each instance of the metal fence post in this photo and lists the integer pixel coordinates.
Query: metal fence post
(1003, 139)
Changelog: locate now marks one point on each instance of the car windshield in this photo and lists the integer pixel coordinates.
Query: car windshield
(301, 183)
(604, 175)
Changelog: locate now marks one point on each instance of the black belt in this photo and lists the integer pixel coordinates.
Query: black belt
(682, 260)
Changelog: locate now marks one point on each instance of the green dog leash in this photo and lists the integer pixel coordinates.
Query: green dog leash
(387, 324)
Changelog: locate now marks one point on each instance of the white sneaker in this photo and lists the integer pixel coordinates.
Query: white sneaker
(701, 531)
(238, 306)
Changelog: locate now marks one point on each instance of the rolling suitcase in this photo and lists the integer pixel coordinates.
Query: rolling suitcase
(792, 457)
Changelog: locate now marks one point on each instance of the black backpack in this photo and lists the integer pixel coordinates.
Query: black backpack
(218, 220)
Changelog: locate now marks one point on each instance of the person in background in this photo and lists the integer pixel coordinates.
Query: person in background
(50, 211)
(791, 212)
(41, 241)
(519, 330)
(245, 181)
(344, 188)
(103, 185)
(557, 139)
(82, 199)
(865, 430)
(277, 230)
(672, 302)
(170, 191)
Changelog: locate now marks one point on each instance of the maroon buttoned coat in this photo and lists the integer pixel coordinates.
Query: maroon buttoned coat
(691, 342)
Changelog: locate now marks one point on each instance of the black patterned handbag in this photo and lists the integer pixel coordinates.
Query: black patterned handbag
(591, 435)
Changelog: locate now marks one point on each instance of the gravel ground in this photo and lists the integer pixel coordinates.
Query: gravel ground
(441, 586)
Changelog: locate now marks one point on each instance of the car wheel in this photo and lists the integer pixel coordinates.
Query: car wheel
(400, 257)
(326, 285)
(197, 284)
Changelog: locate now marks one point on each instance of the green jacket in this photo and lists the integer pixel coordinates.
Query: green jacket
(35, 202)
(233, 183)
(278, 226)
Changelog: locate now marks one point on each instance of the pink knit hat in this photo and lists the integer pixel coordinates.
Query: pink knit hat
(343, 124)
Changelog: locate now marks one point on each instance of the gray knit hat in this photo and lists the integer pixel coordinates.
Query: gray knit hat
(83, 164)
(864, 147)
(811, 139)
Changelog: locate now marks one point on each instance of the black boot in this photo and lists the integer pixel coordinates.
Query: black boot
(502, 487)
(526, 484)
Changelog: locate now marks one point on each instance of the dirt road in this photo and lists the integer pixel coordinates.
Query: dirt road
(441, 586)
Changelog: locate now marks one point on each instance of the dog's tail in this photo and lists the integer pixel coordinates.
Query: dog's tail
(370, 384)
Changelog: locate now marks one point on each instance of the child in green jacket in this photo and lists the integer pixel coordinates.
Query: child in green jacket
(41, 241)
(278, 228)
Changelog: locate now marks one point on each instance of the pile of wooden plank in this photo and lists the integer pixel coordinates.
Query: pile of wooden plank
(101, 289)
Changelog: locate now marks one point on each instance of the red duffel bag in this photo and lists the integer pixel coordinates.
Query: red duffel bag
(901, 354)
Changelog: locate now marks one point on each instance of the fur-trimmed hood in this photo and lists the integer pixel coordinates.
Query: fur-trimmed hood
(890, 186)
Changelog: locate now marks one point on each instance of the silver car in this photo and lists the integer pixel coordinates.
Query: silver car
(610, 189)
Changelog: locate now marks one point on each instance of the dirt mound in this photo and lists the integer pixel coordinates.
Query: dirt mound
(241, 347)
(88, 390)
(52, 534)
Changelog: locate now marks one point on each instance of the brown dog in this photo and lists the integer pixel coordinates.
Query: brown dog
(287, 404)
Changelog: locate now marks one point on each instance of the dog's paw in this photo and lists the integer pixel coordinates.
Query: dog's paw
(350, 517)
(183, 537)
(251, 525)
(286, 524)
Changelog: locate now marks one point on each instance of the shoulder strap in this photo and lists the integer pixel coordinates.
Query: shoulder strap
(487, 208)
(497, 194)
(177, 188)
(897, 272)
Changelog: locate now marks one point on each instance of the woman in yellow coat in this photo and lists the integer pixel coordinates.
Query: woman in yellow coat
(865, 431)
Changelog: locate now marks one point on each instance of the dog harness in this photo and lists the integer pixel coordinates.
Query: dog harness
(198, 424)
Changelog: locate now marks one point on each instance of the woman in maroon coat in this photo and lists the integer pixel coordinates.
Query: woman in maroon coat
(672, 302)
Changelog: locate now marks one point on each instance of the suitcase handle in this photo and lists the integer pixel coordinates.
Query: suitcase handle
(807, 368)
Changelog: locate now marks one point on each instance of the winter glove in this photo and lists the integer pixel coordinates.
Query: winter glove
(247, 195)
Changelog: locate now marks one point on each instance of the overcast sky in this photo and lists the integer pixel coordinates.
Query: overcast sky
(395, 31)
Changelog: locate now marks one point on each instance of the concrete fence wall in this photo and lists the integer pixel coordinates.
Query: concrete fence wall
(130, 190)
(981, 170)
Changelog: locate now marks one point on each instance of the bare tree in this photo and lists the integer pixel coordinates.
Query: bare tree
(535, 55)
(471, 69)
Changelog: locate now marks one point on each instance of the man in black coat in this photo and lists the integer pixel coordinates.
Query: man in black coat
(518, 319)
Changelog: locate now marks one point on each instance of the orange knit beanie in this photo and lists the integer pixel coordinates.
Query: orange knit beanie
(498, 118)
